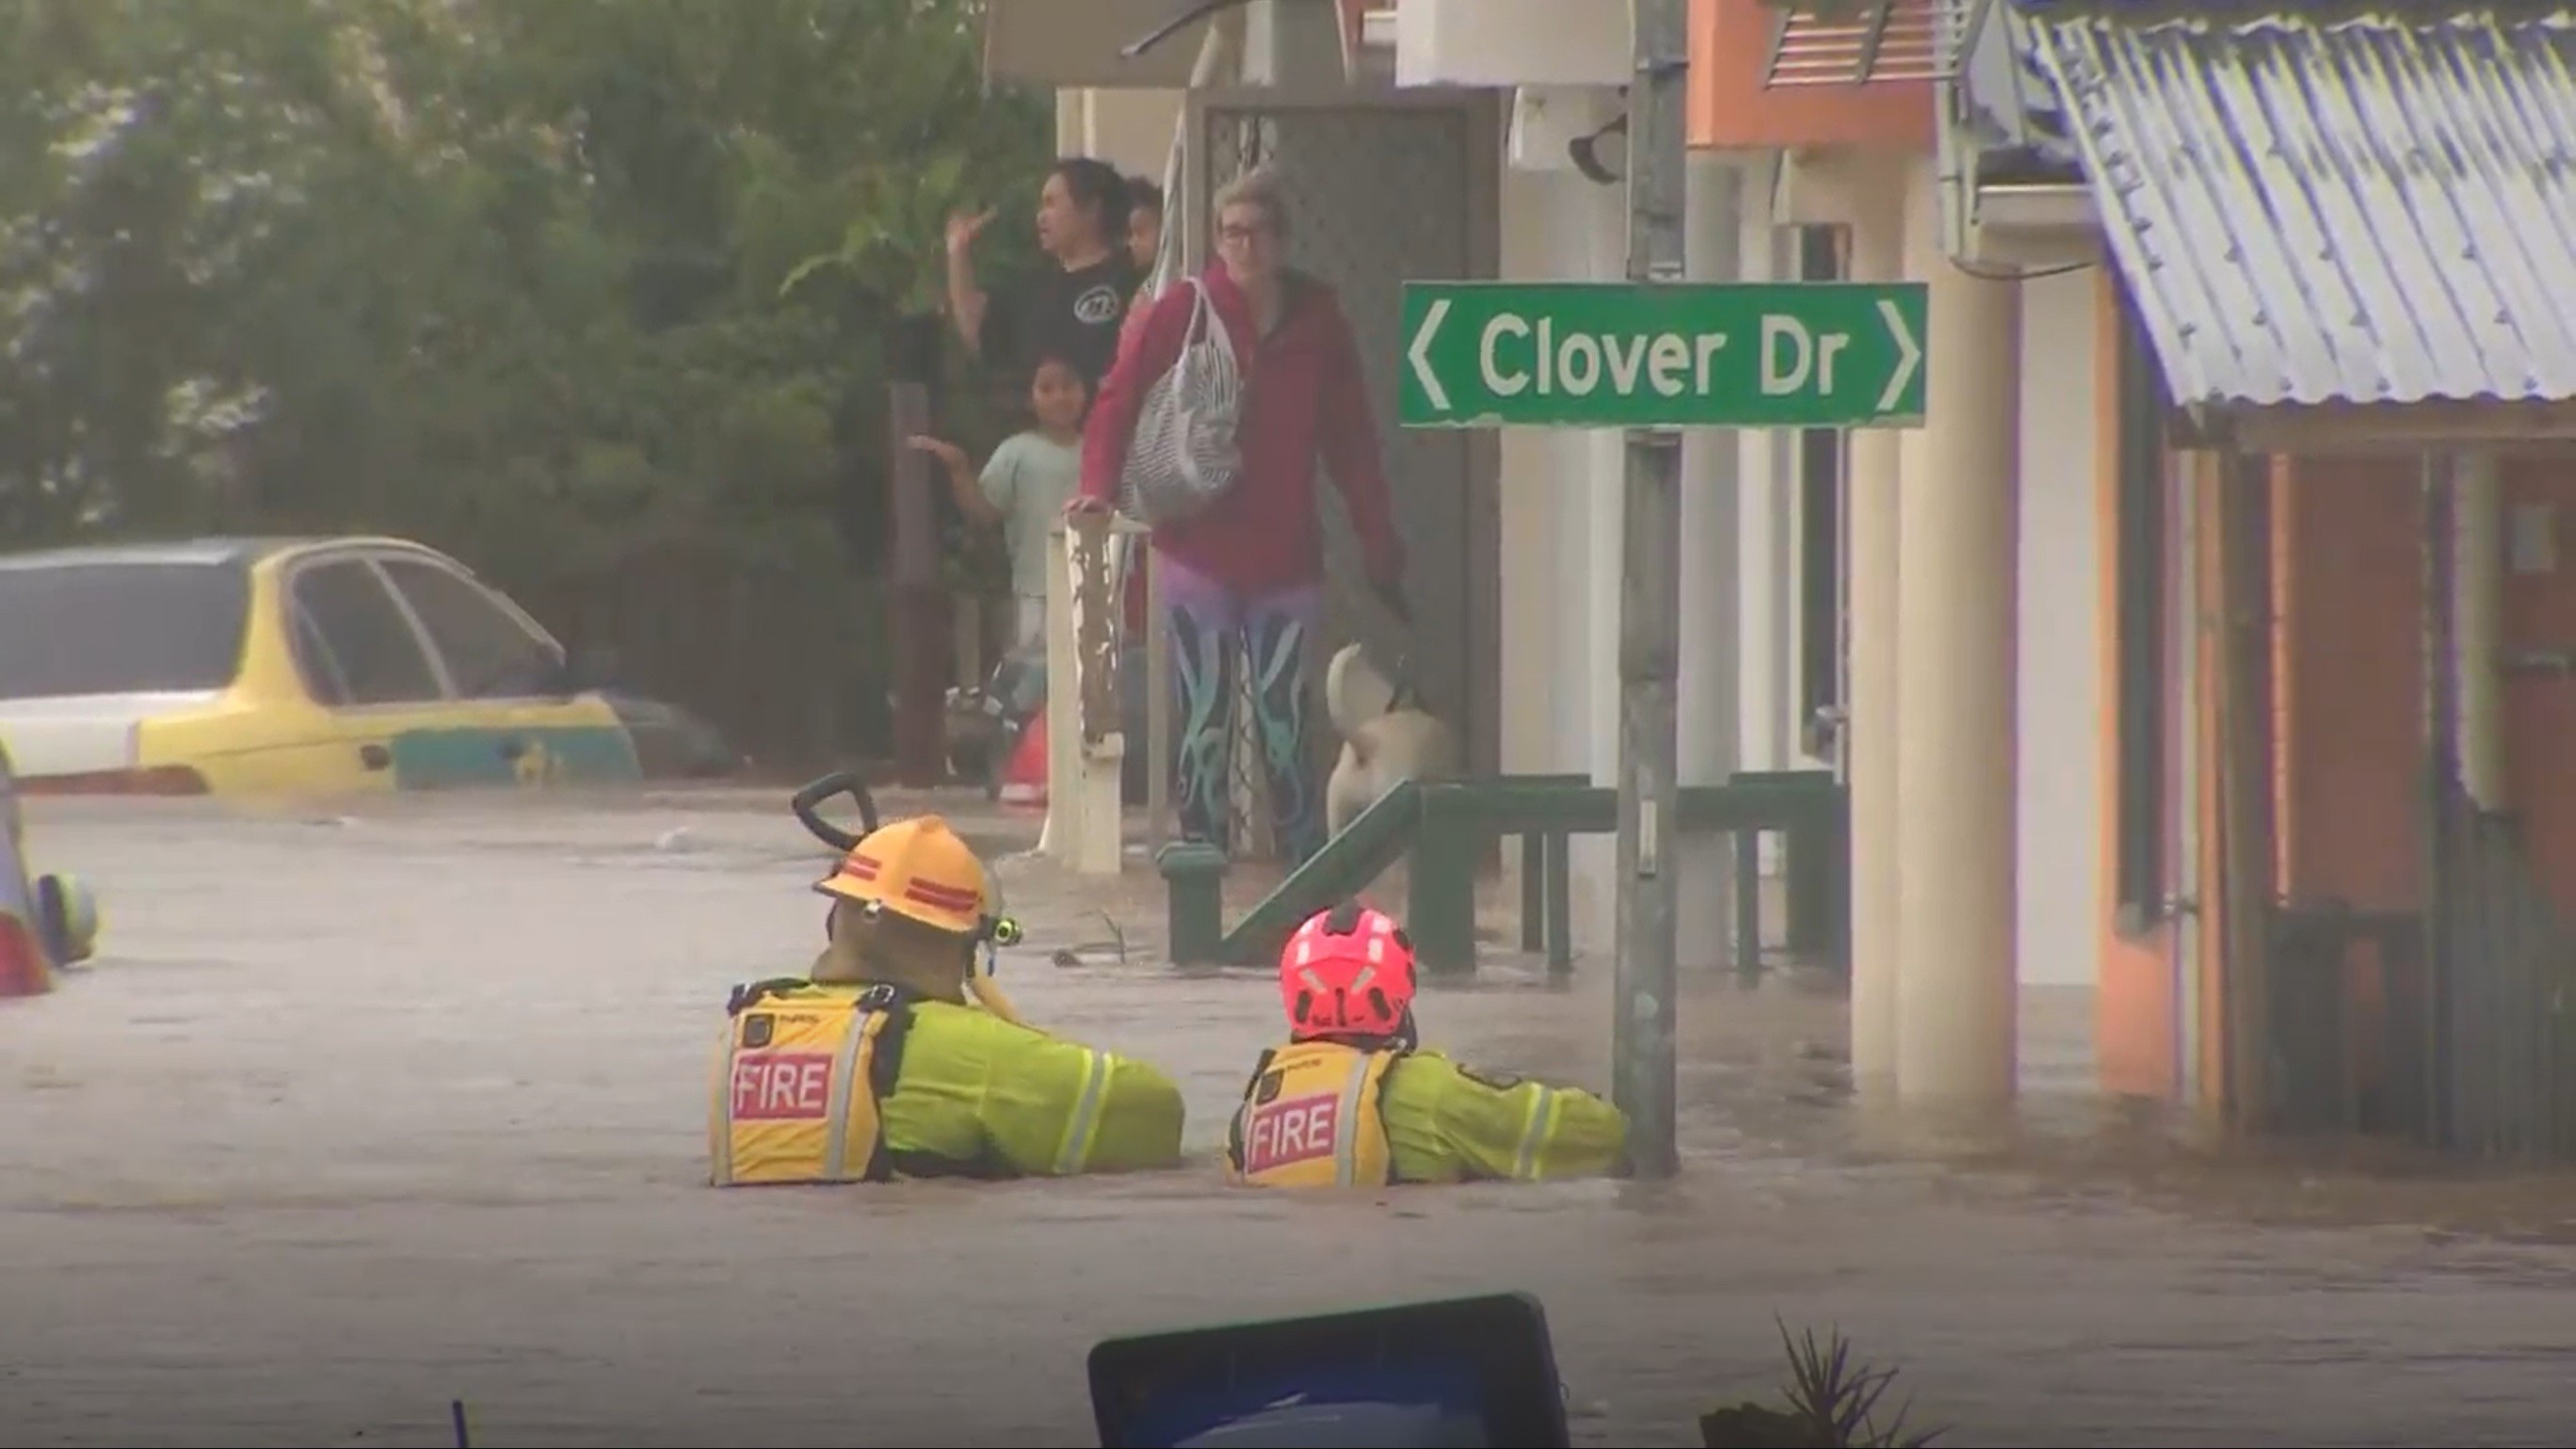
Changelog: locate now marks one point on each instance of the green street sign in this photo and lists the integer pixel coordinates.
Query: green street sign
(1627, 355)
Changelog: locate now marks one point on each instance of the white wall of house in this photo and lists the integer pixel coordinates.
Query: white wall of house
(1542, 615)
(1129, 129)
(1560, 535)
(1511, 42)
(1769, 535)
(2058, 809)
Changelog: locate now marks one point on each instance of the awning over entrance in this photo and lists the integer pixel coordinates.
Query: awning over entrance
(2315, 211)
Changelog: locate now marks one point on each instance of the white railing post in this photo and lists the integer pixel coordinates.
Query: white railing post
(1086, 729)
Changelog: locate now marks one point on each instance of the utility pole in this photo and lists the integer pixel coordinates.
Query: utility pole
(1650, 617)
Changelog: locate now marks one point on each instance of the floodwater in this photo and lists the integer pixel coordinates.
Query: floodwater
(360, 1114)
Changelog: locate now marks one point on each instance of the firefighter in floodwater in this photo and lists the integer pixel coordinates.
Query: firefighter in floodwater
(879, 1065)
(1354, 1101)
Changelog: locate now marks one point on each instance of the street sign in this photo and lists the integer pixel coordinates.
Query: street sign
(1626, 355)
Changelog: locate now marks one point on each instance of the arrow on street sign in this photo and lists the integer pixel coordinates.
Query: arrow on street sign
(1623, 354)
(1418, 356)
(1909, 356)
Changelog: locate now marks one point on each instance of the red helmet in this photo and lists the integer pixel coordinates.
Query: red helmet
(1347, 972)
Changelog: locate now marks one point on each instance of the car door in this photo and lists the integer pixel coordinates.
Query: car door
(367, 667)
(506, 686)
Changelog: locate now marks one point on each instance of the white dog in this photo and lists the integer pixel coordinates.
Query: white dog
(1387, 738)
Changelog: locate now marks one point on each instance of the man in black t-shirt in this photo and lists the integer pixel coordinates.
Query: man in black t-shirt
(1072, 305)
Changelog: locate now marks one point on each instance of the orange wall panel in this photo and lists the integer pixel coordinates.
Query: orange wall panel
(1730, 52)
(2353, 751)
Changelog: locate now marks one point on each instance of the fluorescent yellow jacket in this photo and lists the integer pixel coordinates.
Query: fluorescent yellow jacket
(1323, 1114)
(850, 1083)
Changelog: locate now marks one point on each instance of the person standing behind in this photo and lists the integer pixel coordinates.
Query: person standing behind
(1025, 485)
(1244, 576)
(1071, 309)
(1144, 222)
(1145, 240)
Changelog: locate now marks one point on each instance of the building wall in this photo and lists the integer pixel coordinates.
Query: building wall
(2348, 663)
(1538, 615)
(2352, 679)
(1511, 42)
(2059, 809)
(1129, 129)
(1768, 495)
(2348, 562)
(1561, 540)
(1730, 49)
(1556, 225)
(1561, 544)
(2539, 722)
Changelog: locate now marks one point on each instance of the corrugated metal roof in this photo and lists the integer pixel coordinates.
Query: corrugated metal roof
(2356, 210)
(2009, 108)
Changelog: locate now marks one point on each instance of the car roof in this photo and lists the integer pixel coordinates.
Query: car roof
(241, 551)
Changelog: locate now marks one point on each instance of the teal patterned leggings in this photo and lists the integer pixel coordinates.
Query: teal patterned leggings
(1211, 627)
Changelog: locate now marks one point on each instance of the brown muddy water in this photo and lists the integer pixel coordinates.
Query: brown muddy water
(362, 1113)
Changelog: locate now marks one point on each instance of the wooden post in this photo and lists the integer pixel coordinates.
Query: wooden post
(2243, 713)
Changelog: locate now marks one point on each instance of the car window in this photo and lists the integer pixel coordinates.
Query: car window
(370, 654)
(120, 628)
(321, 668)
(489, 654)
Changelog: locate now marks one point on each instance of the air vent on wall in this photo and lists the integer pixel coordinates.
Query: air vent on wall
(1858, 42)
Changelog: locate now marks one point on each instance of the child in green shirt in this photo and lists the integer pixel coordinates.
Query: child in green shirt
(1025, 485)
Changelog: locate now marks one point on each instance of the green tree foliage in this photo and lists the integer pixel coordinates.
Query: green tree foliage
(537, 280)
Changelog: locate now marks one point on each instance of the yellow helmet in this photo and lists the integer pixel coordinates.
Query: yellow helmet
(918, 869)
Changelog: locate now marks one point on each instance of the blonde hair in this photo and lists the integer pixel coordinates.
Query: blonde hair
(869, 947)
(1258, 187)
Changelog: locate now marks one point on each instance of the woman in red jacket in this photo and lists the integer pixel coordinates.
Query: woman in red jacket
(1244, 577)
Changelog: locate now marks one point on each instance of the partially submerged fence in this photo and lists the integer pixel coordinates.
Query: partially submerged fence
(791, 663)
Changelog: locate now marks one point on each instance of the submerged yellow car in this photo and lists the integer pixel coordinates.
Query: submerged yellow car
(292, 666)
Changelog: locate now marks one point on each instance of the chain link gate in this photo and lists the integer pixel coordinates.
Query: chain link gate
(1381, 189)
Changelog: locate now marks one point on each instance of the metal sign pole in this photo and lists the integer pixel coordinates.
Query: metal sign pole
(1650, 617)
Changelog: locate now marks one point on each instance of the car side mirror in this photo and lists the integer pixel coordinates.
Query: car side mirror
(593, 666)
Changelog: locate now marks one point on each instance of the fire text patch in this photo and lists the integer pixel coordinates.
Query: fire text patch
(1300, 1129)
(782, 1086)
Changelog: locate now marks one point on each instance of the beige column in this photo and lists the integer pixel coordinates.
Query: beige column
(1956, 995)
(1877, 255)
(2477, 579)
(1708, 720)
